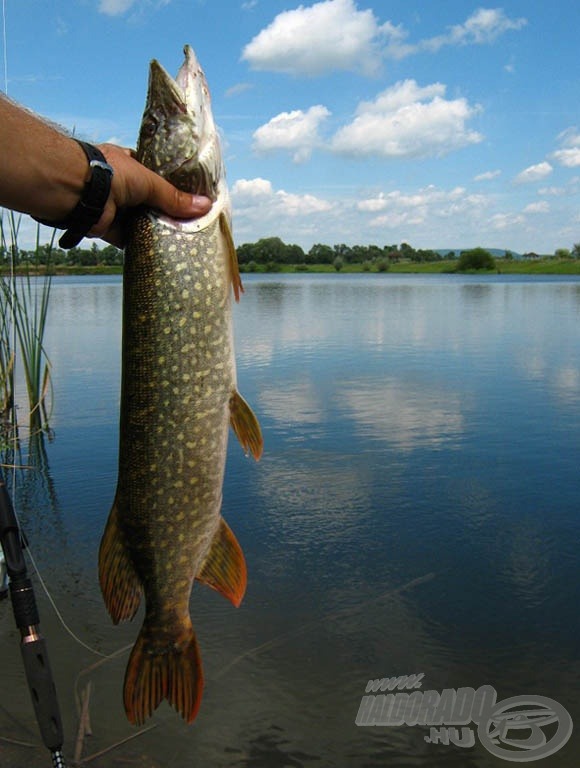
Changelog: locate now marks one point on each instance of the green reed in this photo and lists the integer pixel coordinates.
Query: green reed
(24, 305)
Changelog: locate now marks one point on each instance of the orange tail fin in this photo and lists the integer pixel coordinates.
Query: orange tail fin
(171, 672)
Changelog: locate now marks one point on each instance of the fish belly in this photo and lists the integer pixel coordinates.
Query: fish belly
(177, 379)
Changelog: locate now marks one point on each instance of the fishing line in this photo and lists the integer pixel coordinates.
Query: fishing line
(5, 51)
(59, 614)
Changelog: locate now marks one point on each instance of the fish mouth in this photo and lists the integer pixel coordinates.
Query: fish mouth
(164, 92)
(178, 138)
(188, 92)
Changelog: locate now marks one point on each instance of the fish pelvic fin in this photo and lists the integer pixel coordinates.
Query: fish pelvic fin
(246, 426)
(232, 256)
(119, 582)
(156, 671)
(224, 568)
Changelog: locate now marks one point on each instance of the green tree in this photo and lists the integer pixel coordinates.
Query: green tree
(270, 249)
(73, 256)
(245, 253)
(320, 254)
(110, 255)
(343, 251)
(476, 258)
(576, 251)
(294, 255)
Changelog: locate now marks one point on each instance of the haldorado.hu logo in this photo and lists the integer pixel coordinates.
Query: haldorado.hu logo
(520, 729)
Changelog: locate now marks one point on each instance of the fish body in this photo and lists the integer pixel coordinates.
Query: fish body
(178, 398)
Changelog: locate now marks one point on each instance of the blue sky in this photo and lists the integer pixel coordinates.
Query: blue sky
(443, 124)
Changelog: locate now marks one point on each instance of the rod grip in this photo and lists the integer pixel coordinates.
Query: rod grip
(43, 692)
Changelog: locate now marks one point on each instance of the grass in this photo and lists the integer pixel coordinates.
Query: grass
(61, 269)
(548, 266)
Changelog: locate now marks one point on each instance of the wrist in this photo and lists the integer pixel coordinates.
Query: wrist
(93, 198)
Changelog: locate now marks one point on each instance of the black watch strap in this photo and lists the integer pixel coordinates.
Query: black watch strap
(90, 207)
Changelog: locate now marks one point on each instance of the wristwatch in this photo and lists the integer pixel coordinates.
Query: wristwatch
(90, 207)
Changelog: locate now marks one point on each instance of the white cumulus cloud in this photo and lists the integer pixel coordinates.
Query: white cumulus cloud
(250, 189)
(569, 155)
(407, 120)
(487, 175)
(336, 34)
(429, 203)
(542, 206)
(257, 199)
(296, 131)
(502, 221)
(115, 7)
(534, 173)
(484, 26)
(570, 158)
(328, 35)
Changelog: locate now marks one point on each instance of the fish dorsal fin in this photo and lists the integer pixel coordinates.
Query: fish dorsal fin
(246, 426)
(120, 584)
(232, 256)
(224, 567)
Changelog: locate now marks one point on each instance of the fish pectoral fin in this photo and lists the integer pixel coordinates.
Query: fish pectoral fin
(232, 256)
(246, 426)
(224, 568)
(120, 584)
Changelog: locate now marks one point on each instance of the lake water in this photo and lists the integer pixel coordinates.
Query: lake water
(415, 511)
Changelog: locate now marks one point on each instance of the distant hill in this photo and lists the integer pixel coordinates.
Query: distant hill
(497, 252)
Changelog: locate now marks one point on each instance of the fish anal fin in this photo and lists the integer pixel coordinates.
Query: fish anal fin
(224, 568)
(246, 426)
(119, 582)
(158, 670)
(232, 256)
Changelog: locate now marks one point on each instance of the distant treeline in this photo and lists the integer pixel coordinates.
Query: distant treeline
(271, 251)
(74, 257)
(268, 250)
(274, 250)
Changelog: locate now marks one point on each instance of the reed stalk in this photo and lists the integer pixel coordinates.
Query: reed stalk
(24, 306)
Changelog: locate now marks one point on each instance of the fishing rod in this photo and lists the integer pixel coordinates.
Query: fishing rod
(32, 644)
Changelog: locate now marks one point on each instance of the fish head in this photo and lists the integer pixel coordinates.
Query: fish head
(178, 138)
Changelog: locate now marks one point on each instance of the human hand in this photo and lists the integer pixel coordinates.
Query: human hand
(133, 184)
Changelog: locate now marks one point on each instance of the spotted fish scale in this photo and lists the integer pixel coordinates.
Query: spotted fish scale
(178, 398)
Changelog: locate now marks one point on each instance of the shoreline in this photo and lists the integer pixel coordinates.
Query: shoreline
(551, 266)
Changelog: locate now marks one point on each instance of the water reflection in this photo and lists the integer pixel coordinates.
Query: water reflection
(407, 414)
(415, 511)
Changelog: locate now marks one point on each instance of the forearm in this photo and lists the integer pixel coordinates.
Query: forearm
(42, 171)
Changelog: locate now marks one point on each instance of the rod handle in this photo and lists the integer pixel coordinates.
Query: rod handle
(43, 691)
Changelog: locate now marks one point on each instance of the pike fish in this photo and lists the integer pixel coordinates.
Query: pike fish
(178, 399)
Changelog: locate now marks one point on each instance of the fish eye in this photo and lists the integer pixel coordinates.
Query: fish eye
(149, 129)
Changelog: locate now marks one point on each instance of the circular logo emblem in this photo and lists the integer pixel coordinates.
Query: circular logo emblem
(525, 728)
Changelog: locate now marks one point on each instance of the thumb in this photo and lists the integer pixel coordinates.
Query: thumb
(174, 202)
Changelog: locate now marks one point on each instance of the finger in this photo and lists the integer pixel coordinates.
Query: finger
(116, 233)
(174, 202)
(115, 236)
